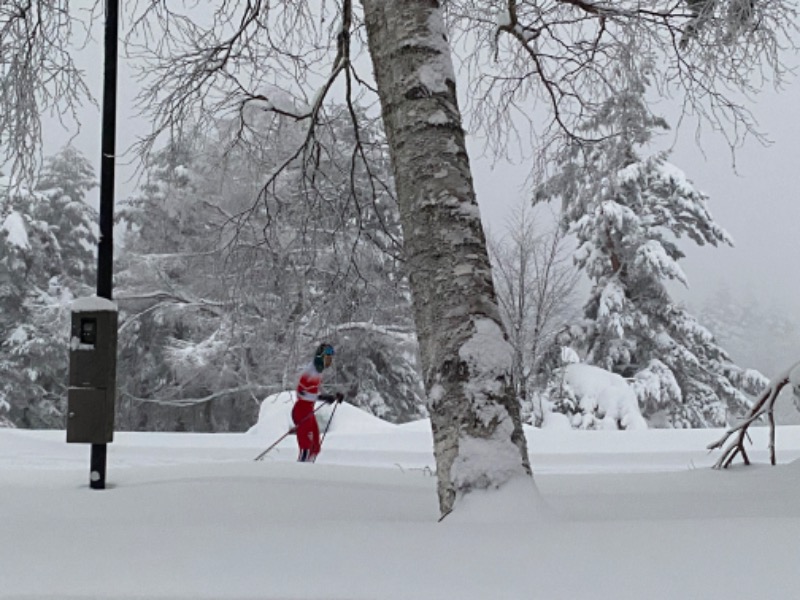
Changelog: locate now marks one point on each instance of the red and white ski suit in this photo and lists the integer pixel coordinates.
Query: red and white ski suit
(303, 412)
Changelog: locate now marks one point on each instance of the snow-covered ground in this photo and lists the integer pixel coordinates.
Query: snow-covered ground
(617, 515)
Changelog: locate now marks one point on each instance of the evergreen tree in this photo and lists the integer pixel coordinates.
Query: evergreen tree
(755, 333)
(628, 212)
(178, 345)
(65, 180)
(763, 336)
(47, 238)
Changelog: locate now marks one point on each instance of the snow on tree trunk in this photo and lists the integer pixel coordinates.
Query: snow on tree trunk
(477, 432)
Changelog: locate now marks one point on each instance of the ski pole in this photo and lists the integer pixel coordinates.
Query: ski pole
(327, 425)
(287, 434)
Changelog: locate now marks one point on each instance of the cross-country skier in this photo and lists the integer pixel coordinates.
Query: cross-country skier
(307, 394)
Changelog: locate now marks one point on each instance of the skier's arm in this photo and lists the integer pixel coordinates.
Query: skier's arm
(331, 398)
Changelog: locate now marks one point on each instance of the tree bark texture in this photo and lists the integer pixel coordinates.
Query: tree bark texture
(477, 432)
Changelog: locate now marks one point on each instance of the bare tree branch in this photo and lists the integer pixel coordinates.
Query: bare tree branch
(38, 76)
(764, 405)
(563, 57)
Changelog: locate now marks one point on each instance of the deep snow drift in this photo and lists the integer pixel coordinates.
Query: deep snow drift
(614, 515)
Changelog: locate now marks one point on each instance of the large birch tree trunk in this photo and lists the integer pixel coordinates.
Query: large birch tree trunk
(477, 432)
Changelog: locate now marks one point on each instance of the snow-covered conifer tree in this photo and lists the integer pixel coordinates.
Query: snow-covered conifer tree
(47, 240)
(178, 341)
(755, 333)
(65, 180)
(629, 212)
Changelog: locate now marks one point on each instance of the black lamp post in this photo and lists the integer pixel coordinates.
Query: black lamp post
(105, 249)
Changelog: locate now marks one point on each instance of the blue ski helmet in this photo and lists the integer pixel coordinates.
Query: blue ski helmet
(323, 350)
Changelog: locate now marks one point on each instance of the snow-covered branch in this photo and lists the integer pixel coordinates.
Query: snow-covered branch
(404, 334)
(567, 55)
(39, 76)
(202, 400)
(764, 405)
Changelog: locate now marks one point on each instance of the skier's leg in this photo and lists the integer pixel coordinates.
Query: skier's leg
(315, 443)
(305, 423)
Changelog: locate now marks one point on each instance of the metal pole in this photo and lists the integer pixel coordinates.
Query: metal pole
(105, 248)
(327, 426)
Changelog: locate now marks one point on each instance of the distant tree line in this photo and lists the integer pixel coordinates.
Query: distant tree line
(223, 290)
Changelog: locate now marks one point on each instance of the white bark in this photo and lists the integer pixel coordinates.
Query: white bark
(478, 438)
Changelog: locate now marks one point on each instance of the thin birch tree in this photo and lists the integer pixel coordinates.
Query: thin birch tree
(535, 281)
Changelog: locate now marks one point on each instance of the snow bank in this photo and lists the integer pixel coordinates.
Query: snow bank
(516, 502)
(605, 399)
(275, 418)
(191, 516)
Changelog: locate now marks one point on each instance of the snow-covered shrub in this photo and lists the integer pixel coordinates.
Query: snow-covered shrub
(593, 398)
